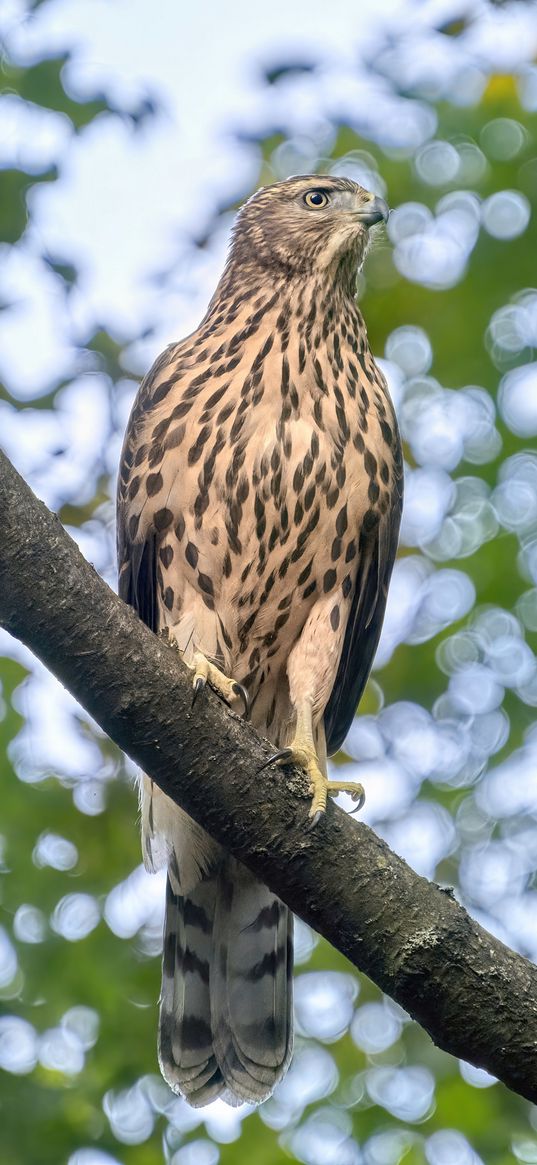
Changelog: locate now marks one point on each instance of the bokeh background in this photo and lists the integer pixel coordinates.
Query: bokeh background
(129, 133)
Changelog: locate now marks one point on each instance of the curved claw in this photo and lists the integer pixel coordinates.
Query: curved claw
(313, 821)
(197, 687)
(284, 754)
(240, 691)
(360, 802)
(206, 672)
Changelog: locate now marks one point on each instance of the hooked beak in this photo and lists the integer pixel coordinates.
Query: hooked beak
(377, 210)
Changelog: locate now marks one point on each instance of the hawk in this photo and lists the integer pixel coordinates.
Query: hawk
(258, 515)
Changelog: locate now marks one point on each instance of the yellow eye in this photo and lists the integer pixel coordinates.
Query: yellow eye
(316, 199)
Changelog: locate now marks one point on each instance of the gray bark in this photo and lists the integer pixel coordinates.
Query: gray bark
(476, 998)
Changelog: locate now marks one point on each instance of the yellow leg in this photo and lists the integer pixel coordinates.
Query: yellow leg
(302, 752)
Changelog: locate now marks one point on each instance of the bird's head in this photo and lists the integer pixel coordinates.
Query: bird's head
(308, 225)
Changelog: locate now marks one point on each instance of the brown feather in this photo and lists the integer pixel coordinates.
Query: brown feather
(258, 511)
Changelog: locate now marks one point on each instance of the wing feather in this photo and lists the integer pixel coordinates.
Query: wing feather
(137, 584)
(376, 559)
(137, 556)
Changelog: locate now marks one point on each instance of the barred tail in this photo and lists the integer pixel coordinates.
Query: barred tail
(252, 987)
(185, 1048)
(226, 1002)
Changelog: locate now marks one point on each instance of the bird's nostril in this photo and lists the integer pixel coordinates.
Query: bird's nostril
(375, 210)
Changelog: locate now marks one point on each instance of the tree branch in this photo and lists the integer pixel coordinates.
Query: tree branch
(476, 998)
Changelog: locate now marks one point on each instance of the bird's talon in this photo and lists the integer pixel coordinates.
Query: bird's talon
(207, 673)
(319, 788)
(284, 755)
(197, 687)
(240, 691)
(360, 799)
(354, 791)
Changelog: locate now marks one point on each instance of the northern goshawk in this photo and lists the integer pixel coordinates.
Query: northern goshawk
(258, 515)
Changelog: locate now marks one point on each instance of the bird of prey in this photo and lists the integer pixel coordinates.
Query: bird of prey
(258, 514)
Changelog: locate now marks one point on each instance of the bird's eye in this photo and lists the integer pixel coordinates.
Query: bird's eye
(316, 199)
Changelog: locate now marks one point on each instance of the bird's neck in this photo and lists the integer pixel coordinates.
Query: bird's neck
(250, 282)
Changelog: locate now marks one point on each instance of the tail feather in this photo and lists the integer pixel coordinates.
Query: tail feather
(251, 987)
(185, 1039)
(226, 1001)
(171, 838)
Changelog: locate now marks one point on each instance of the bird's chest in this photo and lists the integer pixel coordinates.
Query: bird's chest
(314, 460)
(276, 475)
(311, 478)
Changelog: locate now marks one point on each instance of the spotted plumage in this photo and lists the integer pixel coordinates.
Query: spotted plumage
(258, 514)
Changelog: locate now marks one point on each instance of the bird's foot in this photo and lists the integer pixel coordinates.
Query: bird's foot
(207, 673)
(165, 634)
(321, 788)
